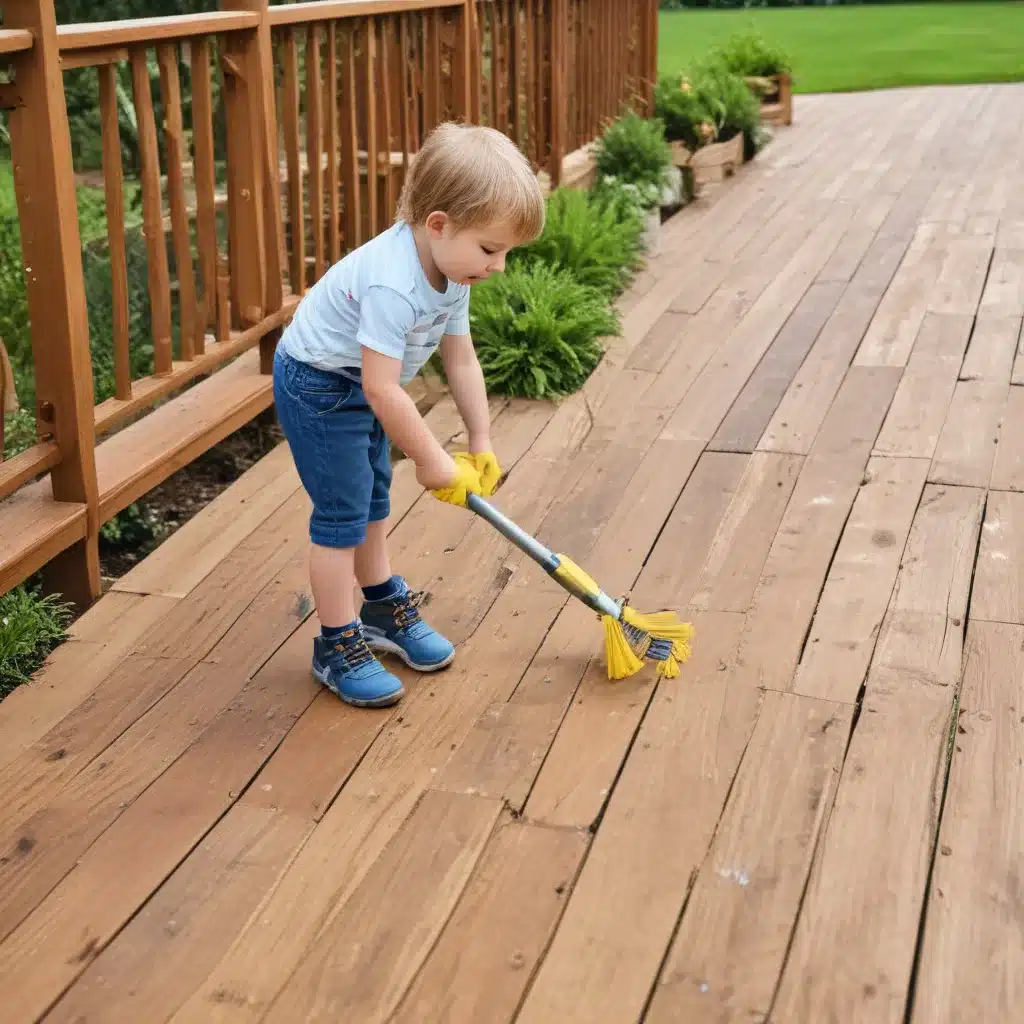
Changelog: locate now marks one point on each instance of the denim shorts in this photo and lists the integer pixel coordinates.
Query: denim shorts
(339, 447)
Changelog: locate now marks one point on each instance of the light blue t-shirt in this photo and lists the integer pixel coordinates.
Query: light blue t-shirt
(379, 297)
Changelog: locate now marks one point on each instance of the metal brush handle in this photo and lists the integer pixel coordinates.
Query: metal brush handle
(546, 559)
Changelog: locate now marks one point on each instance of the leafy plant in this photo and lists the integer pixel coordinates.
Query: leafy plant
(730, 102)
(31, 626)
(538, 330)
(594, 235)
(132, 527)
(748, 53)
(634, 149)
(683, 112)
(19, 431)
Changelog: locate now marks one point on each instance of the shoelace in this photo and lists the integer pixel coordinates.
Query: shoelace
(407, 608)
(355, 653)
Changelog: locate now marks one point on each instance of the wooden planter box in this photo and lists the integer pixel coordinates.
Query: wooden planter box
(680, 154)
(717, 161)
(776, 94)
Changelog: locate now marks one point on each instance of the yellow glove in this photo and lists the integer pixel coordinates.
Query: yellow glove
(466, 482)
(489, 470)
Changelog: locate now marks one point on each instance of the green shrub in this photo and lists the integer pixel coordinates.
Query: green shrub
(99, 300)
(19, 431)
(683, 112)
(14, 318)
(748, 53)
(130, 528)
(733, 106)
(14, 302)
(31, 626)
(537, 330)
(592, 235)
(634, 149)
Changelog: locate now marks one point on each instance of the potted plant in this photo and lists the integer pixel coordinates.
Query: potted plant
(766, 70)
(688, 123)
(634, 153)
(736, 116)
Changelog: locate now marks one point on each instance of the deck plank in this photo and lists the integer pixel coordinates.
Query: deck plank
(787, 593)
(860, 581)
(396, 915)
(166, 951)
(500, 930)
(724, 961)
(973, 946)
(914, 423)
(621, 914)
(998, 594)
(853, 951)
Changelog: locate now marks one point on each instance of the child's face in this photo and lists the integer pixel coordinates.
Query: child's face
(471, 255)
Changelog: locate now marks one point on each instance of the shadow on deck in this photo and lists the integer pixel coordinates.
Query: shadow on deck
(811, 436)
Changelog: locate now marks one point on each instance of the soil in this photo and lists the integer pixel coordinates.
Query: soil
(182, 496)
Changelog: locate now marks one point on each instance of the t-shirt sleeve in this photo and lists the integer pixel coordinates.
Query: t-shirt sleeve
(458, 322)
(385, 319)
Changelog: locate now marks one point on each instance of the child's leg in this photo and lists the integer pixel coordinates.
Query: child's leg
(390, 612)
(328, 424)
(332, 577)
(372, 564)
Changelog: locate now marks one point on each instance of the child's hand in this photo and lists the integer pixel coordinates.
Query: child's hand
(489, 470)
(440, 471)
(464, 481)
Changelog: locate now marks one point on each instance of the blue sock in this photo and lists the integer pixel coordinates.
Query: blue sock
(334, 633)
(381, 591)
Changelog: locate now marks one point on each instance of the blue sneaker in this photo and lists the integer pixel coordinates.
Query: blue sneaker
(394, 626)
(348, 668)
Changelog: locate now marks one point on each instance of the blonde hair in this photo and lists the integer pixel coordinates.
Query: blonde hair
(476, 176)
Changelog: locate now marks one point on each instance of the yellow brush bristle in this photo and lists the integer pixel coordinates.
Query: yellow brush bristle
(619, 656)
(664, 626)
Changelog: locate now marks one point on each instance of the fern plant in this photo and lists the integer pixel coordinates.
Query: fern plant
(592, 235)
(634, 149)
(537, 330)
(748, 53)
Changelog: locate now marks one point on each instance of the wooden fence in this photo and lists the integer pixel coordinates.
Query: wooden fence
(320, 107)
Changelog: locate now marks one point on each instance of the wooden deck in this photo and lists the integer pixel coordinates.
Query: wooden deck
(812, 437)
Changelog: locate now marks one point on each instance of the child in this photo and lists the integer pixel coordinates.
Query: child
(360, 334)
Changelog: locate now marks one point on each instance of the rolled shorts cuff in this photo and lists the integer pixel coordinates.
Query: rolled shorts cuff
(336, 535)
(380, 509)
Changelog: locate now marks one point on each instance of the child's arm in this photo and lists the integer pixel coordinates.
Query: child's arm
(402, 421)
(466, 383)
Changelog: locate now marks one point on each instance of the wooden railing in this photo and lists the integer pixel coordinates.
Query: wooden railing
(320, 107)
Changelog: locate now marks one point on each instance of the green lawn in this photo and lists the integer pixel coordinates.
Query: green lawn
(837, 49)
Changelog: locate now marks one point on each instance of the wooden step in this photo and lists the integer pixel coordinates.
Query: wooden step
(136, 459)
(33, 529)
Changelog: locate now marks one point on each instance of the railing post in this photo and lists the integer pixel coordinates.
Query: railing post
(651, 55)
(559, 94)
(52, 255)
(255, 230)
(469, 68)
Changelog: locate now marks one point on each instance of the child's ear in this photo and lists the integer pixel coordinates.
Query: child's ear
(436, 222)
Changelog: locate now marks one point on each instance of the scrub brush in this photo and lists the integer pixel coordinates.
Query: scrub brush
(629, 636)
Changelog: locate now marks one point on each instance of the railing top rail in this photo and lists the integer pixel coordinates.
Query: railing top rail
(14, 40)
(105, 34)
(331, 10)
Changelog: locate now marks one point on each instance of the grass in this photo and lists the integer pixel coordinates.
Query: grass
(844, 49)
(31, 626)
